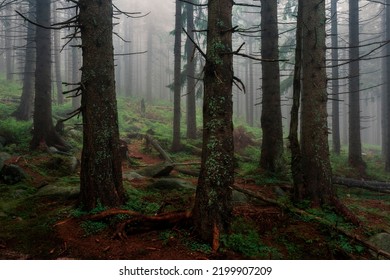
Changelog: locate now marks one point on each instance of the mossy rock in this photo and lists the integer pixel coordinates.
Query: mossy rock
(158, 170)
(61, 165)
(3, 158)
(132, 175)
(67, 192)
(239, 198)
(172, 184)
(12, 174)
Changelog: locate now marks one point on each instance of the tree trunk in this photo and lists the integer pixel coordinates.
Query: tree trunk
(191, 96)
(296, 157)
(271, 116)
(149, 68)
(317, 183)
(101, 170)
(57, 59)
(8, 42)
(355, 146)
(176, 145)
(76, 101)
(212, 210)
(44, 132)
(251, 91)
(387, 92)
(335, 81)
(25, 108)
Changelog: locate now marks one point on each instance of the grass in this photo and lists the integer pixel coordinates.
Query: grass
(246, 240)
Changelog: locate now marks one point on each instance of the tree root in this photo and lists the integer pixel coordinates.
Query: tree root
(140, 222)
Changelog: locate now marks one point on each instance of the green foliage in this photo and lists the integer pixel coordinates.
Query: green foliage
(16, 132)
(346, 244)
(166, 235)
(138, 203)
(198, 246)
(91, 227)
(245, 239)
(79, 212)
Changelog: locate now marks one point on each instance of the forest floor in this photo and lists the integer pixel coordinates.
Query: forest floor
(50, 226)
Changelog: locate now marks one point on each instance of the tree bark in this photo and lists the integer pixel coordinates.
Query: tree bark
(335, 81)
(149, 68)
(57, 59)
(101, 170)
(317, 175)
(212, 210)
(296, 157)
(271, 116)
(191, 94)
(25, 108)
(355, 146)
(8, 42)
(176, 141)
(387, 93)
(44, 132)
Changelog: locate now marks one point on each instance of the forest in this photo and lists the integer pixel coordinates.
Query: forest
(194, 129)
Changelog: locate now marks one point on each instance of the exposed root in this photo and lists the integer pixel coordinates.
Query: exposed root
(139, 222)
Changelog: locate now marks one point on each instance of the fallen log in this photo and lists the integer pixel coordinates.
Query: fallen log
(376, 186)
(151, 141)
(320, 220)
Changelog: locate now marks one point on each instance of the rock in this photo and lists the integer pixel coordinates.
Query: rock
(68, 192)
(172, 184)
(3, 158)
(3, 141)
(62, 165)
(239, 198)
(158, 170)
(12, 174)
(53, 150)
(382, 241)
(132, 175)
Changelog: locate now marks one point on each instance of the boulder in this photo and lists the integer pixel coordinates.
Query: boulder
(62, 165)
(3, 158)
(158, 170)
(132, 175)
(239, 198)
(68, 192)
(12, 174)
(172, 184)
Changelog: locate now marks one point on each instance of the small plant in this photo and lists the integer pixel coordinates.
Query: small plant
(166, 235)
(198, 246)
(16, 132)
(91, 227)
(137, 203)
(245, 239)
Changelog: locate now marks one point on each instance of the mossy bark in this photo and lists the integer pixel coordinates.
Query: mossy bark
(212, 210)
(101, 170)
(317, 175)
